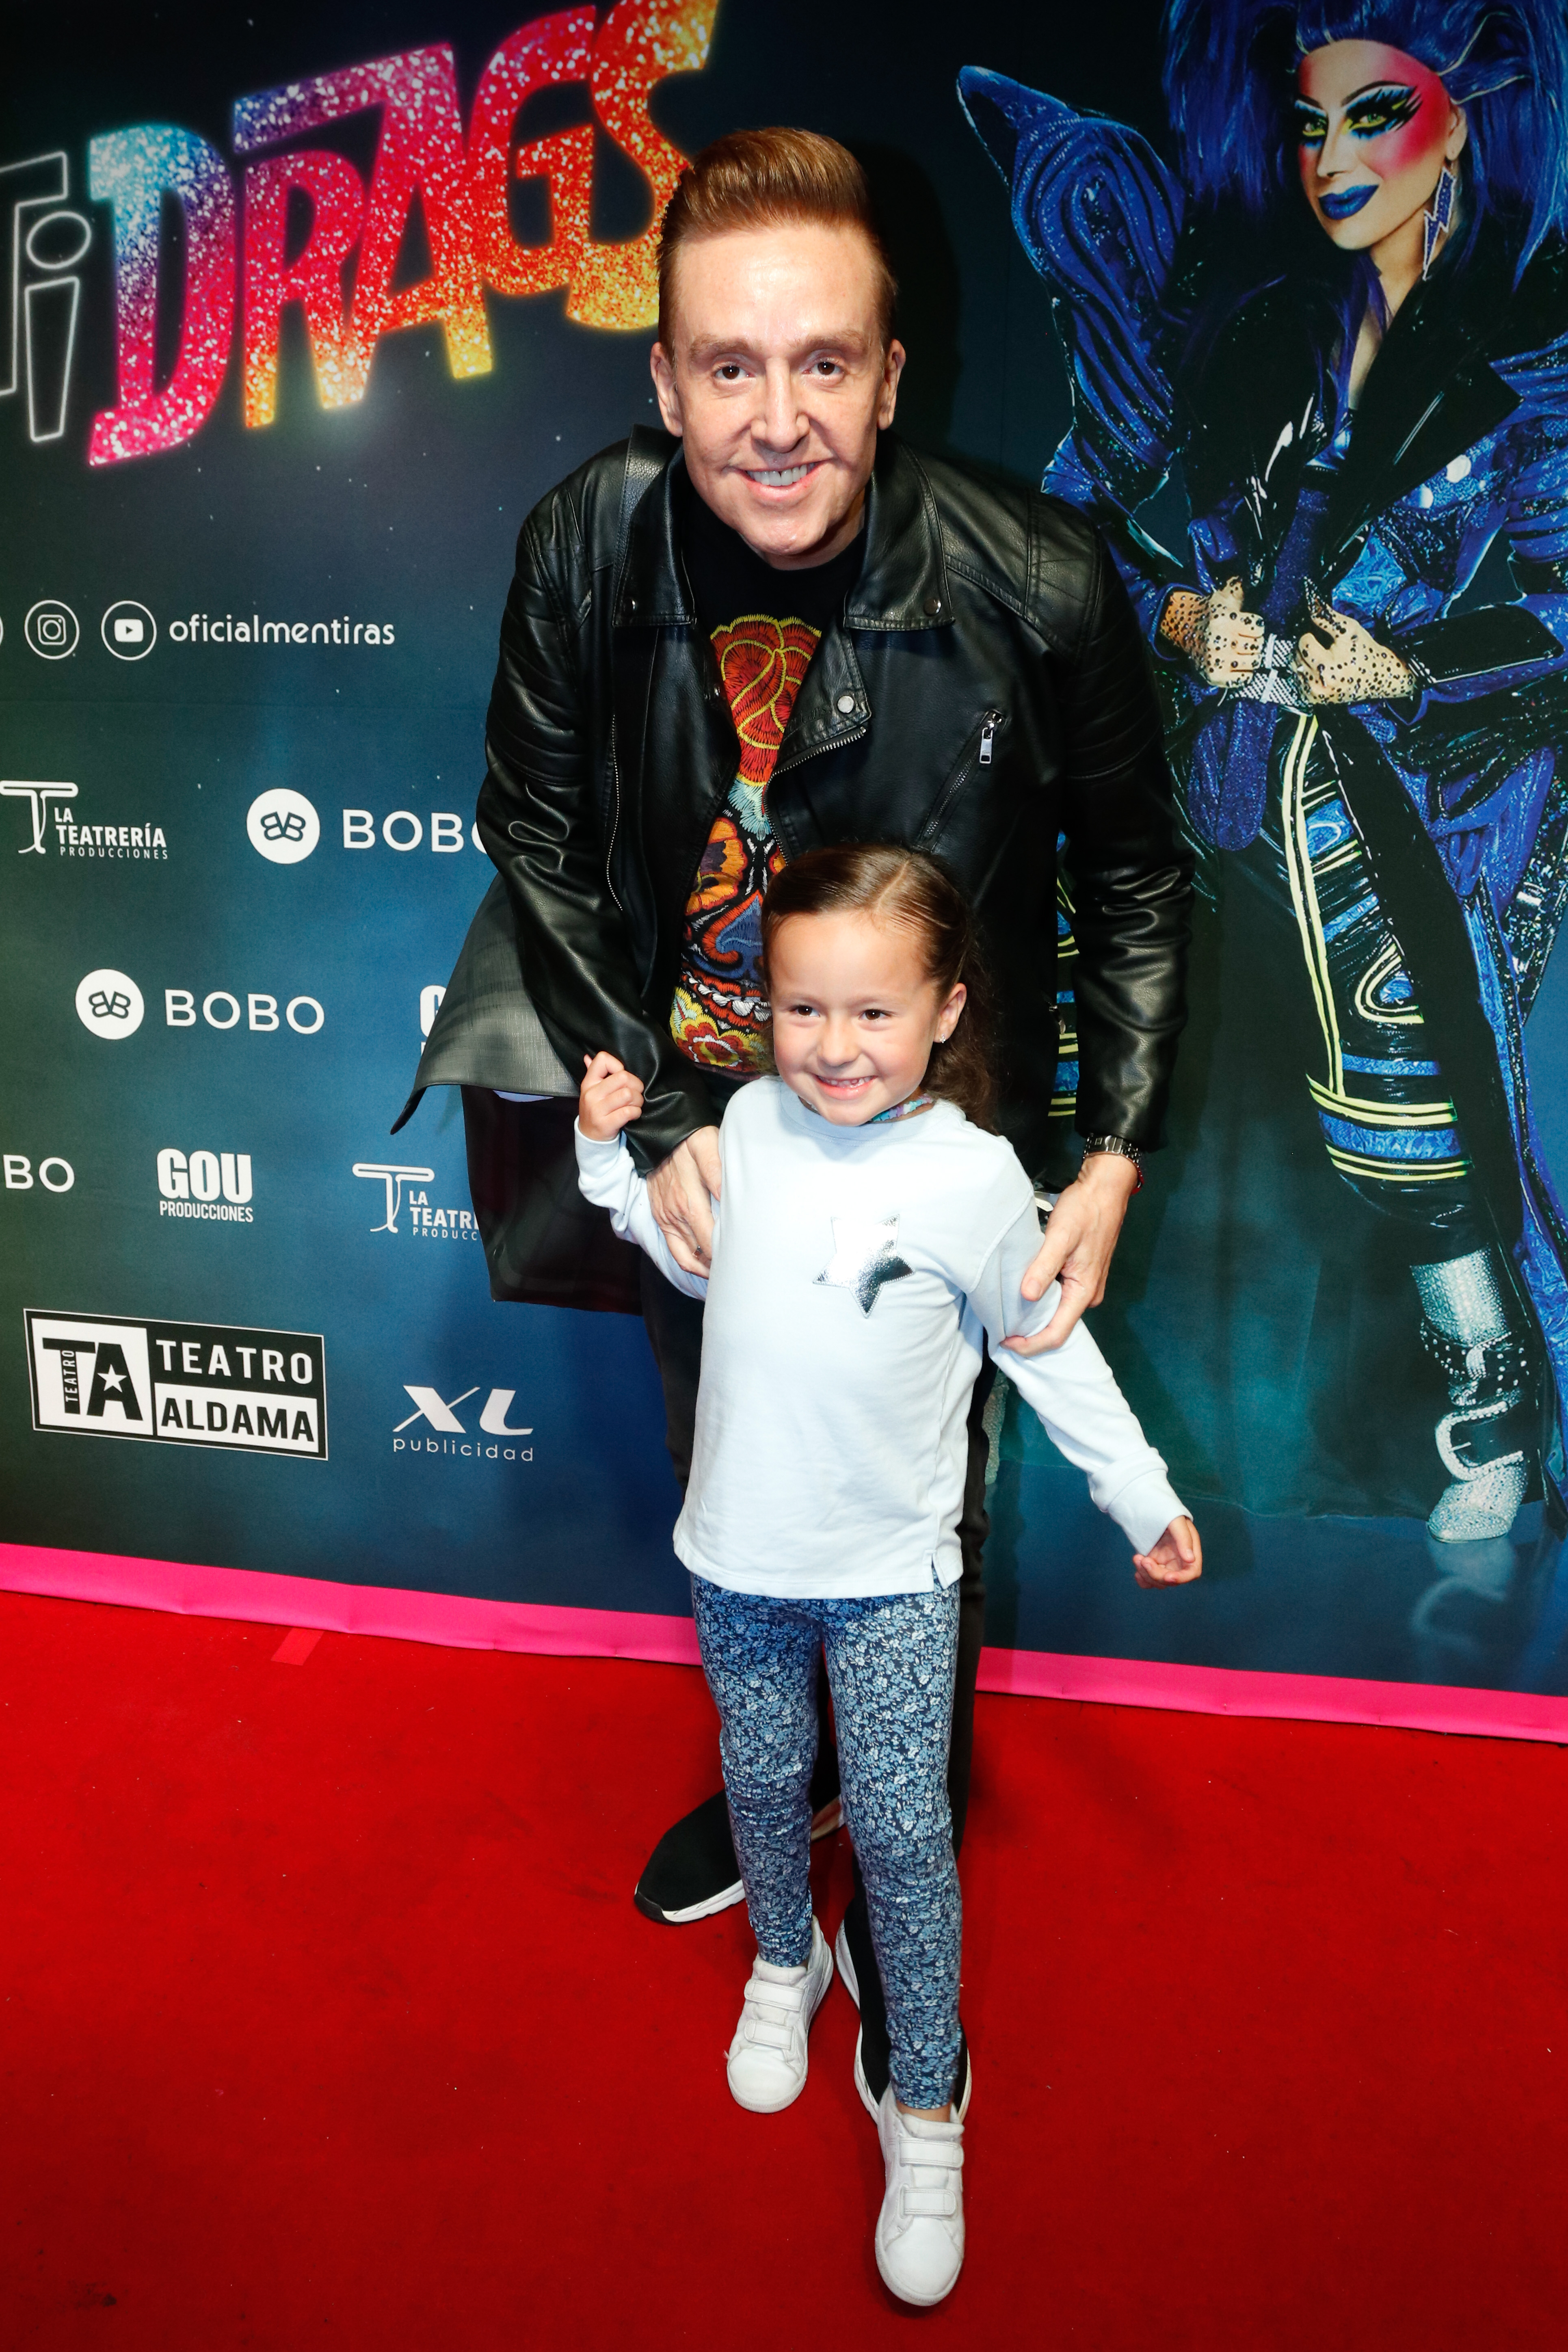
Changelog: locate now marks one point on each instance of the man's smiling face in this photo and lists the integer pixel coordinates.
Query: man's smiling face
(777, 380)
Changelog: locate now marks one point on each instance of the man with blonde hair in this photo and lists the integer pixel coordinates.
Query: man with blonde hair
(775, 626)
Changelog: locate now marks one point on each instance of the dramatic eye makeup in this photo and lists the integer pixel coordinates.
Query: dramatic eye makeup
(1368, 115)
(1373, 111)
(1311, 124)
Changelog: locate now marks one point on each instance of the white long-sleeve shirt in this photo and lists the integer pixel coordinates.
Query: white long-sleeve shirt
(855, 1271)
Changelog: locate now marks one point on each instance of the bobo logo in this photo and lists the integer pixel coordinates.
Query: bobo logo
(185, 1383)
(283, 825)
(110, 1003)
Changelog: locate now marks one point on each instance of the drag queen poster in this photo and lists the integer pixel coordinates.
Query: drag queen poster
(1320, 405)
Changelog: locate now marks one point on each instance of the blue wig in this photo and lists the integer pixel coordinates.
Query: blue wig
(1230, 68)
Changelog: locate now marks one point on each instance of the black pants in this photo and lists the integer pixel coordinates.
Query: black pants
(675, 1332)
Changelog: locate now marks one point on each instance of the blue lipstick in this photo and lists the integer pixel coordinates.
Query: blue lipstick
(1342, 203)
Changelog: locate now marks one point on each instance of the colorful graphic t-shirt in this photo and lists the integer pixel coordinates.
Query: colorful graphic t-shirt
(764, 626)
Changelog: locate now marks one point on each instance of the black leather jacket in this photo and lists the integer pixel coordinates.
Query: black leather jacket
(986, 692)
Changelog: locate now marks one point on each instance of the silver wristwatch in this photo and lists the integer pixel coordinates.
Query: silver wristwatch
(1119, 1148)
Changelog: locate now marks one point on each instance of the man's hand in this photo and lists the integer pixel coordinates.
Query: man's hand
(609, 1098)
(1078, 1246)
(681, 1192)
(1176, 1558)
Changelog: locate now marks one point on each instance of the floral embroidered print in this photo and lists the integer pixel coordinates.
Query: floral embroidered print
(720, 1014)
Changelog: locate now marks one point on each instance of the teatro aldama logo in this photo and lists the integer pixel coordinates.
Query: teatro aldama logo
(236, 212)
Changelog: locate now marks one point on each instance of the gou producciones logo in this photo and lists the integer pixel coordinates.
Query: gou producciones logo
(209, 1384)
(190, 1185)
(238, 223)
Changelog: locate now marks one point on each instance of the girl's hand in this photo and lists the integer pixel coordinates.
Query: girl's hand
(1352, 667)
(1176, 1558)
(609, 1098)
(1222, 642)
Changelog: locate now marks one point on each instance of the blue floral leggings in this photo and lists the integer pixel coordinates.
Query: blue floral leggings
(890, 1662)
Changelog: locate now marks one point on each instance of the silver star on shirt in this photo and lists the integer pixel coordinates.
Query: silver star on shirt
(863, 1258)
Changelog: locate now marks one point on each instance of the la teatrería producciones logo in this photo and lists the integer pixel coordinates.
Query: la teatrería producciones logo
(53, 807)
(406, 1198)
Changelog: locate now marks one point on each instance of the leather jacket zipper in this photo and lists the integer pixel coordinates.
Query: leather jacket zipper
(813, 750)
(615, 818)
(978, 752)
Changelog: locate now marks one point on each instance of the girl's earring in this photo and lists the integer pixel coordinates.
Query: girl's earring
(1439, 213)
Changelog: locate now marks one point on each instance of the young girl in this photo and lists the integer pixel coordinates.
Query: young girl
(870, 1235)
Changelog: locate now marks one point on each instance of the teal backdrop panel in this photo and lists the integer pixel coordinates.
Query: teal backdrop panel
(303, 315)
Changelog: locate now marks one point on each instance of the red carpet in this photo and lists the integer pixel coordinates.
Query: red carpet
(327, 2020)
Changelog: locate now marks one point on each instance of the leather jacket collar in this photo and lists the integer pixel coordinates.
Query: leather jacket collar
(903, 582)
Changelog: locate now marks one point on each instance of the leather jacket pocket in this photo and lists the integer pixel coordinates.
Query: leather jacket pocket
(979, 751)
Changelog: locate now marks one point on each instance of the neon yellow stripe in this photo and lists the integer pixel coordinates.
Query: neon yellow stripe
(1303, 893)
(1389, 961)
(1371, 1114)
(1385, 1172)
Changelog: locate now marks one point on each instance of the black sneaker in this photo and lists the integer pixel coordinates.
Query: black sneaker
(692, 1871)
(859, 1973)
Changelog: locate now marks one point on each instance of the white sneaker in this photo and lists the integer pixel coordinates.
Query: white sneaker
(920, 2230)
(767, 2057)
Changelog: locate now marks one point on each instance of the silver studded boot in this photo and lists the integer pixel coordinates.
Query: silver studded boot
(1470, 1328)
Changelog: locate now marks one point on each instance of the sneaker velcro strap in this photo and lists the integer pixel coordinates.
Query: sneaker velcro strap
(760, 1994)
(765, 2032)
(927, 2204)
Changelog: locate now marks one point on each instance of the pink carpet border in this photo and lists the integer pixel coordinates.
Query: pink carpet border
(451, 1621)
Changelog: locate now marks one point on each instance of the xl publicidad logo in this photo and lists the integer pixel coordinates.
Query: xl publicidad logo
(494, 1440)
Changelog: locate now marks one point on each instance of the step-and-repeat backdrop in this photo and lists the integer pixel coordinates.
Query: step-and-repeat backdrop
(298, 316)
